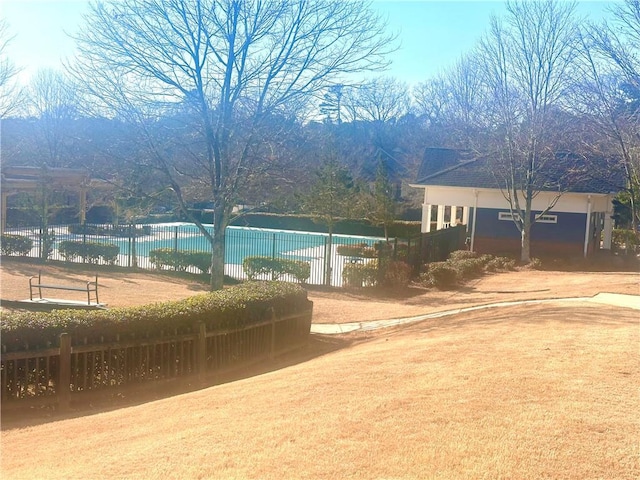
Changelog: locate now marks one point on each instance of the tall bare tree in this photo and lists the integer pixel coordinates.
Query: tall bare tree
(233, 63)
(10, 91)
(528, 59)
(454, 101)
(51, 98)
(608, 93)
(381, 99)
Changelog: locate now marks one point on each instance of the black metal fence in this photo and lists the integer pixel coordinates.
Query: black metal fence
(136, 244)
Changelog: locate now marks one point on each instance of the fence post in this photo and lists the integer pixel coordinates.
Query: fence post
(175, 240)
(63, 389)
(202, 349)
(272, 350)
(273, 256)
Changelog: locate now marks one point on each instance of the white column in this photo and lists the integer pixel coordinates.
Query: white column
(440, 218)
(452, 216)
(473, 226)
(587, 228)
(465, 216)
(426, 218)
(608, 226)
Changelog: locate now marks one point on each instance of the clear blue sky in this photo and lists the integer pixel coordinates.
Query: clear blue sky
(433, 34)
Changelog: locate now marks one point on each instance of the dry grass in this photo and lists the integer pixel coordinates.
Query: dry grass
(532, 392)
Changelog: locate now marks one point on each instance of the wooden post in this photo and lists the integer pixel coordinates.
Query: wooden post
(63, 389)
(202, 349)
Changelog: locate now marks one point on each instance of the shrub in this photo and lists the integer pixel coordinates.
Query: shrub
(462, 255)
(362, 250)
(535, 263)
(467, 267)
(180, 260)
(498, 264)
(276, 267)
(90, 252)
(398, 273)
(233, 307)
(627, 239)
(15, 245)
(360, 274)
(440, 275)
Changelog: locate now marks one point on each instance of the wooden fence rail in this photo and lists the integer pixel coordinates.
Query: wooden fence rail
(57, 374)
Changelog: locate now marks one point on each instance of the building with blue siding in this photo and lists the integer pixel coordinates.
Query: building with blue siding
(573, 212)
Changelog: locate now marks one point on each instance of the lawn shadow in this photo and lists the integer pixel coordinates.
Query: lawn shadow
(24, 416)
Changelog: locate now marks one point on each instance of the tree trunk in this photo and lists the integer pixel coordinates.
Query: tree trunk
(525, 242)
(327, 260)
(217, 249)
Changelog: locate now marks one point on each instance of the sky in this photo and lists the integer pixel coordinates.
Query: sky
(432, 34)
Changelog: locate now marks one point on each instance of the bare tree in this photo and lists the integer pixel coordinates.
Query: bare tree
(455, 100)
(10, 91)
(528, 60)
(51, 98)
(382, 99)
(231, 63)
(608, 93)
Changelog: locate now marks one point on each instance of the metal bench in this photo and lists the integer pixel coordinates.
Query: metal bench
(90, 288)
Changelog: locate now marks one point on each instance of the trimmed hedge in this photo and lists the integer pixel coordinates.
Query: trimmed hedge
(90, 252)
(276, 267)
(180, 260)
(463, 265)
(233, 307)
(362, 250)
(360, 274)
(15, 245)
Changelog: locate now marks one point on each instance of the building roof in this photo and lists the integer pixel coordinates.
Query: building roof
(463, 168)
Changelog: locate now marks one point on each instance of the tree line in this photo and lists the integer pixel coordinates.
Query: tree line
(250, 102)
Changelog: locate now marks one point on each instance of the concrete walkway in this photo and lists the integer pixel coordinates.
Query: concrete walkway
(614, 299)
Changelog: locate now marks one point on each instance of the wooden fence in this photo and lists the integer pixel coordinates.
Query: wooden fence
(57, 375)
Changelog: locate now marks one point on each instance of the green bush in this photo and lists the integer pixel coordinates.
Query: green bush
(625, 239)
(362, 250)
(90, 252)
(276, 267)
(15, 245)
(360, 274)
(498, 264)
(462, 255)
(397, 273)
(535, 263)
(233, 307)
(180, 260)
(467, 267)
(440, 275)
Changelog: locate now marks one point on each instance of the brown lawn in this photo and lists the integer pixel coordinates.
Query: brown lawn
(529, 392)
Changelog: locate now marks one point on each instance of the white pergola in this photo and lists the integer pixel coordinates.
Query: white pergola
(32, 179)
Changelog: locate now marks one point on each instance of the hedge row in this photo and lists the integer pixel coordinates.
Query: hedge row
(90, 252)
(180, 260)
(15, 245)
(463, 265)
(276, 268)
(233, 307)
